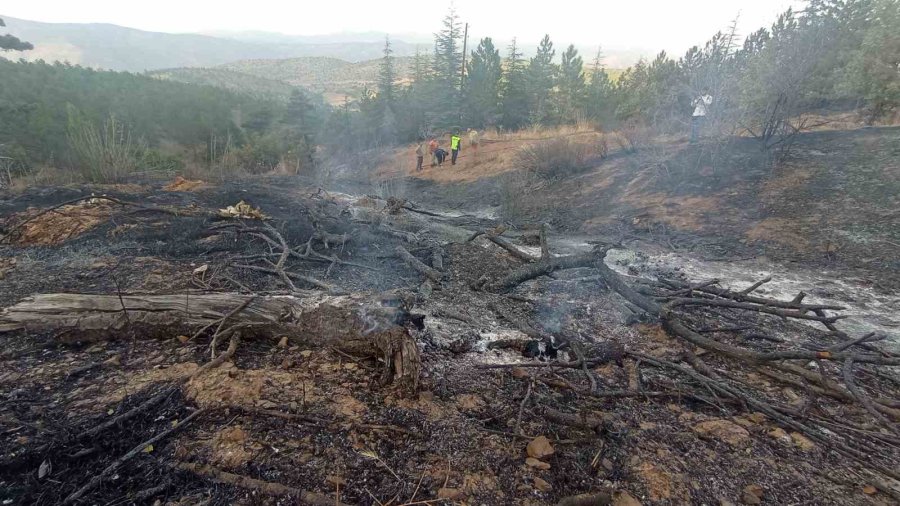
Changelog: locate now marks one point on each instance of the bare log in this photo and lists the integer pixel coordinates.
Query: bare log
(513, 250)
(544, 267)
(357, 324)
(417, 264)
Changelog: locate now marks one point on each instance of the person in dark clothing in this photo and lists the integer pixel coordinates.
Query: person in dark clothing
(440, 155)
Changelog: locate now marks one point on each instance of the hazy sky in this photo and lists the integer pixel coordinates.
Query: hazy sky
(673, 25)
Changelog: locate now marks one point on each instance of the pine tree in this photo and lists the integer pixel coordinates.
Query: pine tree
(11, 43)
(447, 56)
(386, 75)
(598, 96)
(482, 92)
(541, 80)
(514, 92)
(301, 123)
(570, 85)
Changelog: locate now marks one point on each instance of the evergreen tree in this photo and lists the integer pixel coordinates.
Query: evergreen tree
(514, 91)
(385, 107)
(447, 56)
(482, 92)
(541, 80)
(598, 96)
(386, 75)
(11, 43)
(301, 122)
(570, 92)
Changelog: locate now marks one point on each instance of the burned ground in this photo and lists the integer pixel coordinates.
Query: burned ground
(628, 425)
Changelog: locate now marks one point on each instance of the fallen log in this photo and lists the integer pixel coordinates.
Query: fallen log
(417, 264)
(359, 325)
(544, 267)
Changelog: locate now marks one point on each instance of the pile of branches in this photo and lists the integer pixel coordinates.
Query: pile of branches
(689, 313)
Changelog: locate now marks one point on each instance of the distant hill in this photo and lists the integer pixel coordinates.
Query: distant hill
(230, 80)
(332, 77)
(119, 48)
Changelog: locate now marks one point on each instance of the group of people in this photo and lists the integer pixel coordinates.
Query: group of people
(439, 154)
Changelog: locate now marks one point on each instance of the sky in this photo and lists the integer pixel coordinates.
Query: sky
(673, 25)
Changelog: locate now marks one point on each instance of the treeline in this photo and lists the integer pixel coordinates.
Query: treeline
(832, 52)
(48, 111)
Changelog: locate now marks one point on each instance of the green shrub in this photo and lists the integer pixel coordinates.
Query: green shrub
(105, 154)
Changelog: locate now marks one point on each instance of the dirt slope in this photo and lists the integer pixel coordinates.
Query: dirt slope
(835, 200)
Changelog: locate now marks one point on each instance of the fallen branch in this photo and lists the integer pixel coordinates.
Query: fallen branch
(544, 267)
(264, 487)
(863, 398)
(291, 275)
(416, 264)
(106, 473)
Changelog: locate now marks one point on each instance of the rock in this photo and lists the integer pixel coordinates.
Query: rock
(623, 498)
(803, 442)
(451, 494)
(725, 502)
(758, 418)
(336, 480)
(183, 339)
(539, 447)
(869, 490)
(779, 434)
(306, 353)
(537, 464)
(724, 430)
(283, 342)
(752, 494)
(114, 360)
(607, 464)
(542, 485)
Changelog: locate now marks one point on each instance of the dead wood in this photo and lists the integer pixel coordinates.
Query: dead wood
(863, 398)
(724, 389)
(756, 285)
(799, 314)
(264, 487)
(742, 297)
(359, 324)
(109, 470)
(417, 264)
(603, 353)
(598, 499)
(672, 324)
(544, 267)
(512, 249)
(579, 420)
(287, 276)
(12, 231)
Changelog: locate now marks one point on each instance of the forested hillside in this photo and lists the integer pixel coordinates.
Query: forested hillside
(229, 80)
(53, 114)
(115, 47)
(331, 76)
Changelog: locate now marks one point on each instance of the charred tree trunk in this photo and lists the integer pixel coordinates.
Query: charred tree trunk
(357, 325)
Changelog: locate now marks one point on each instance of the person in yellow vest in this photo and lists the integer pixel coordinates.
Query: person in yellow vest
(454, 147)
